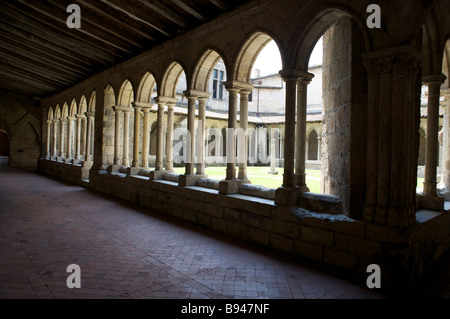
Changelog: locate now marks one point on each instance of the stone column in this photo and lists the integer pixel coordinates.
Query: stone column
(118, 115)
(243, 124)
(49, 127)
(160, 137)
(393, 114)
(137, 130)
(287, 195)
(90, 121)
(300, 152)
(55, 136)
(273, 158)
(201, 135)
(431, 159)
(126, 136)
(231, 137)
(159, 173)
(192, 99)
(445, 180)
(78, 141)
(71, 121)
(146, 137)
(169, 136)
(61, 145)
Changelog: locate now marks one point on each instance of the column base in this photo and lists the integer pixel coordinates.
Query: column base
(189, 180)
(430, 202)
(133, 170)
(158, 175)
(227, 187)
(445, 193)
(286, 196)
(274, 172)
(114, 168)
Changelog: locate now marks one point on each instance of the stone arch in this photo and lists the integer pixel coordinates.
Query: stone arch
(57, 114)
(82, 106)
(204, 69)
(25, 141)
(248, 54)
(343, 160)
(146, 88)
(126, 94)
(92, 102)
(170, 80)
(65, 111)
(313, 146)
(309, 32)
(73, 108)
(50, 114)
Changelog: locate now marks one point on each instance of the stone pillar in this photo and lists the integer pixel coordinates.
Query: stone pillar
(118, 115)
(159, 173)
(160, 137)
(445, 181)
(90, 121)
(273, 158)
(192, 99)
(49, 127)
(300, 152)
(71, 121)
(78, 141)
(55, 136)
(61, 145)
(243, 125)
(126, 136)
(137, 130)
(231, 137)
(287, 195)
(431, 159)
(201, 135)
(146, 137)
(393, 114)
(169, 137)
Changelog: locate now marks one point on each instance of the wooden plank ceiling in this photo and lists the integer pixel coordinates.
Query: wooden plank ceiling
(40, 55)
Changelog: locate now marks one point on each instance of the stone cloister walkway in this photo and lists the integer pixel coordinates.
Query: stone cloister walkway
(128, 252)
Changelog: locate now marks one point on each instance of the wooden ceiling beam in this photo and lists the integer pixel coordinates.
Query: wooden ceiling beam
(116, 21)
(59, 28)
(52, 52)
(39, 57)
(189, 9)
(37, 68)
(165, 12)
(134, 14)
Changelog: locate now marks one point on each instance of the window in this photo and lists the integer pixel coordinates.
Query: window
(218, 79)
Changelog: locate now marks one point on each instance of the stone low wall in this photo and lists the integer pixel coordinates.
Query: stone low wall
(332, 239)
(328, 238)
(74, 173)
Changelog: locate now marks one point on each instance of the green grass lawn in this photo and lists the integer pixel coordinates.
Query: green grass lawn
(259, 176)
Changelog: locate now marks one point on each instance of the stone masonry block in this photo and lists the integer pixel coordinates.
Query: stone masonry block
(280, 242)
(308, 250)
(339, 258)
(259, 236)
(317, 236)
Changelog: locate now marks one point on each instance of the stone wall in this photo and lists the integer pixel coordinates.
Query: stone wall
(22, 122)
(337, 110)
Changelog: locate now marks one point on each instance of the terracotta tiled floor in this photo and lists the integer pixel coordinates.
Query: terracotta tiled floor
(129, 252)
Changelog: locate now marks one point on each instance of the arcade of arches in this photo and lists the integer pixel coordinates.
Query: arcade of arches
(113, 133)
